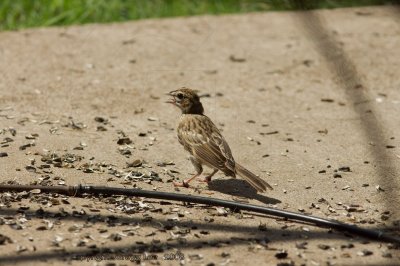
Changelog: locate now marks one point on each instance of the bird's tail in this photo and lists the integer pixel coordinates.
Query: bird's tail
(256, 182)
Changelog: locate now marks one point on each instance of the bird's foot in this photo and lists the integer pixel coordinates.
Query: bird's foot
(184, 183)
(206, 179)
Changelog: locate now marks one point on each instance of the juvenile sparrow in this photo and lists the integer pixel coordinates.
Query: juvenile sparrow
(202, 139)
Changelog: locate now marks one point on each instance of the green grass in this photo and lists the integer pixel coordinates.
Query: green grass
(16, 14)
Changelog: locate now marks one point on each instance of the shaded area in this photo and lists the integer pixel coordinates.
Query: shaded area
(161, 223)
(138, 250)
(158, 223)
(251, 235)
(239, 188)
(345, 73)
(81, 253)
(234, 206)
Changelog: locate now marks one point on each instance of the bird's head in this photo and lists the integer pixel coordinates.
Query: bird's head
(187, 100)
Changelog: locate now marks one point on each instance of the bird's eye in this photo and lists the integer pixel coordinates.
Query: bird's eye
(180, 96)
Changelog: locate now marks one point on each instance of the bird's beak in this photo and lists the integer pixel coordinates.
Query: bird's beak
(171, 100)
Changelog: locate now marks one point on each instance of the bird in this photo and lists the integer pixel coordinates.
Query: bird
(202, 139)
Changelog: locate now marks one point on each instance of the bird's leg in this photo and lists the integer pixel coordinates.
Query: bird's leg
(199, 169)
(207, 179)
(185, 183)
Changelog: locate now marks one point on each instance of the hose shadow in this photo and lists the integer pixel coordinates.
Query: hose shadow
(244, 235)
(136, 250)
(130, 219)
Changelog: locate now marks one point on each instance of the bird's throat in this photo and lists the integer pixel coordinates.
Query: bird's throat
(195, 108)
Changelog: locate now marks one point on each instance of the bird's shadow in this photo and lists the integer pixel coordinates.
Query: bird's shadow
(239, 188)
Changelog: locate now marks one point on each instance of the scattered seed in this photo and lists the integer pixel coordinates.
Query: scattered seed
(323, 246)
(344, 169)
(270, 133)
(21, 249)
(350, 245)
(163, 164)
(286, 263)
(53, 130)
(387, 254)
(327, 100)
(130, 41)
(35, 191)
(237, 59)
(262, 227)
(100, 119)
(7, 140)
(75, 125)
(5, 240)
(211, 72)
(115, 237)
(135, 163)
(30, 168)
(281, 254)
(365, 253)
(80, 148)
(23, 147)
(302, 245)
(225, 254)
(13, 131)
(325, 131)
(41, 228)
(196, 256)
(124, 140)
(32, 136)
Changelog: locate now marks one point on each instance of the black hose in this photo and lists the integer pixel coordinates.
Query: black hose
(79, 190)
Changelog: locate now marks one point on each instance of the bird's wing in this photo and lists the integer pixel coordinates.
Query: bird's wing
(207, 143)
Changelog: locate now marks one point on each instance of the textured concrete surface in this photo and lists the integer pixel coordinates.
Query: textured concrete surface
(299, 97)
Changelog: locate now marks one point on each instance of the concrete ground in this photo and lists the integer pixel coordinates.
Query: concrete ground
(309, 101)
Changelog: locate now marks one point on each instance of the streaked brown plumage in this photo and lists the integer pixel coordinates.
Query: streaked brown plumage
(202, 139)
